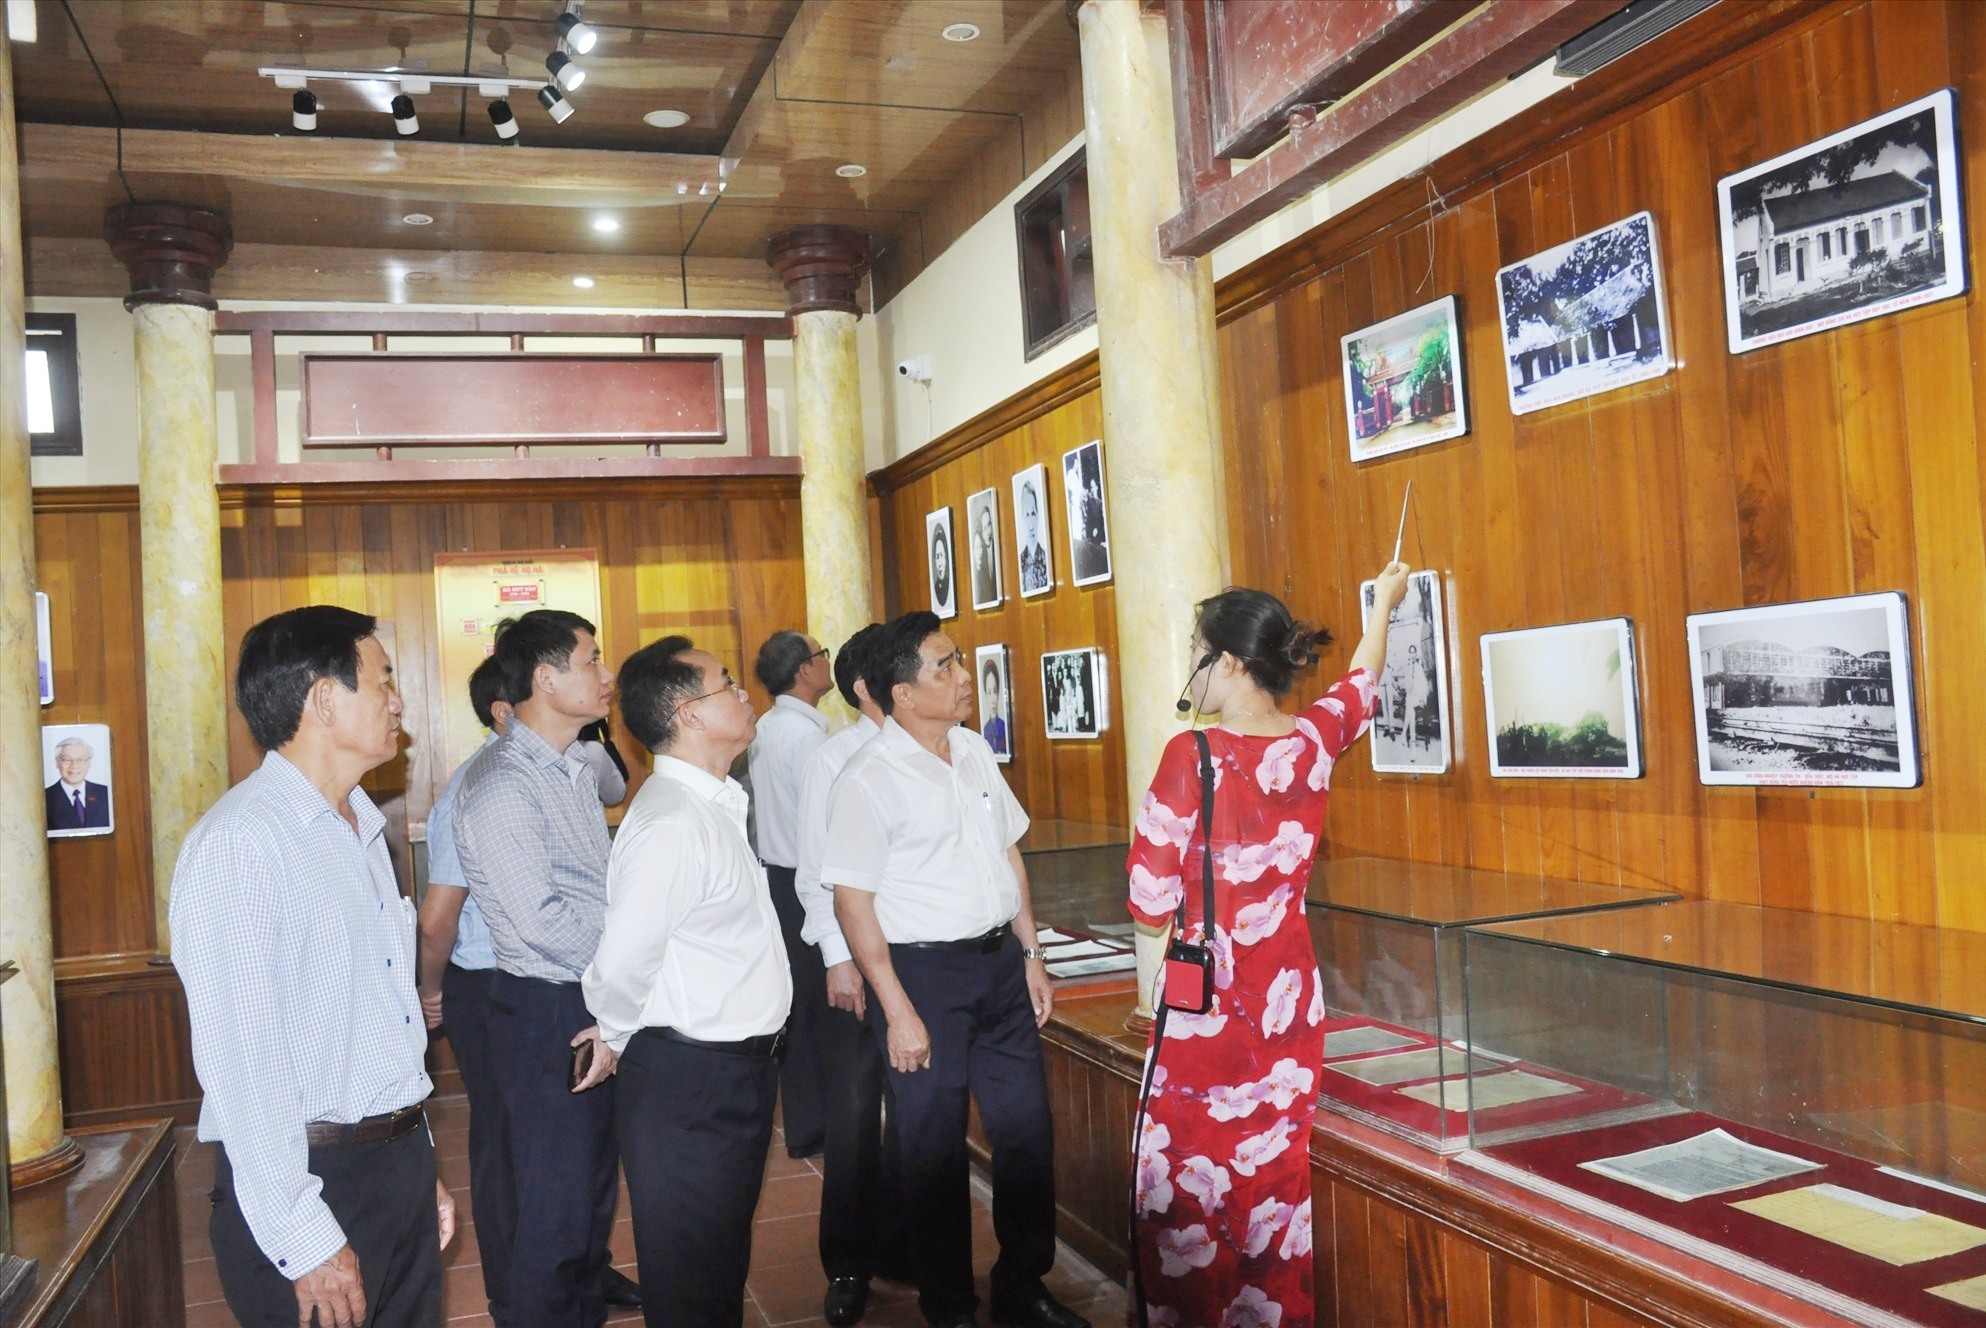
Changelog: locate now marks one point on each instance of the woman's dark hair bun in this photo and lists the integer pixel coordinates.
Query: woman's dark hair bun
(1256, 628)
(1301, 646)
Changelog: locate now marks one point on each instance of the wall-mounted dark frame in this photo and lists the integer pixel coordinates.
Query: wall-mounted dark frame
(55, 334)
(1052, 239)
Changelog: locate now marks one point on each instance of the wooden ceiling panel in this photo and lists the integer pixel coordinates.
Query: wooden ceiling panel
(739, 230)
(741, 18)
(795, 148)
(892, 52)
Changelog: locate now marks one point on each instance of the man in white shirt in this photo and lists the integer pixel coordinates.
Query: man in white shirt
(858, 1235)
(690, 988)
(296, 949)
(793, 668)
(932, 899)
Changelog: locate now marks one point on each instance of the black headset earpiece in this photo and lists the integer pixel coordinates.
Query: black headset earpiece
(1185, 706)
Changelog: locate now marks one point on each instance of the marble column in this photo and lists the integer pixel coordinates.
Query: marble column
(172, 253)
(1161, 403)
(822, 266)
(37, 1148)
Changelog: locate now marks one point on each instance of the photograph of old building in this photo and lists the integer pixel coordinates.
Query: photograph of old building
(1859, 224)
(1403, 382)
(1585, 317)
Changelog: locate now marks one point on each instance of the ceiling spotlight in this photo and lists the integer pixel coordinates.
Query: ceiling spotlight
(851, 171)
(404, 120)
(417, 219)
(505, 122)
(666, 119)
(584, 283)
(574, 33)
(303, 111)
(564, 72)
(606, 225)
(960, 32)
(555, 106)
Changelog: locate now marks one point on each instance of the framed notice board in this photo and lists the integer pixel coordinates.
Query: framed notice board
(474, 592)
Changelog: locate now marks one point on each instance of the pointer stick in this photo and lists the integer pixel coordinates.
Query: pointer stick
(1402, 534)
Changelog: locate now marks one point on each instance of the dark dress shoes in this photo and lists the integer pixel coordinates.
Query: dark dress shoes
(620, 1291)
(846, 1299)
(1044, 1311)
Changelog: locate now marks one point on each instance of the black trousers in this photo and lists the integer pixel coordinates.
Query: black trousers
(562, 1154)
(383, 1196)
(465, 1017)
(984, 1048)
(802, 1076)
(860, 1215)
(694, 1125)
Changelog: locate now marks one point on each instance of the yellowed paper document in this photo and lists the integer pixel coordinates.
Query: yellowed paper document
(1492, 1090)
(1970, 1293)
(1890, 1232)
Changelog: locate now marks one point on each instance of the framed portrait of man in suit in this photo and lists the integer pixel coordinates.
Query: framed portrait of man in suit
(76, 780)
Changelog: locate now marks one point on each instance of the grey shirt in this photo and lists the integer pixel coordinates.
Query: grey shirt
(533, 842)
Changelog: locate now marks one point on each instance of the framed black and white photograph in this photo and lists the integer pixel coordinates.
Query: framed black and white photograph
(1072, 693)
(1585, 317)
(943, 566)
(44, 650)
(1032, 549)
(1810, 693)
(1403, 382)
(75, 775)
(1862, 223)
(1089, 527)
(996, 700)
(1410, 729)
(1561, 701)
(982, 525)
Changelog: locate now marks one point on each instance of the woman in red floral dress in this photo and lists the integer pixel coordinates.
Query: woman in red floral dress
(1223, 1169)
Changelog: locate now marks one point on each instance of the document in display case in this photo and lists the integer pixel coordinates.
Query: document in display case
(1798, 1099)
(1388, 937)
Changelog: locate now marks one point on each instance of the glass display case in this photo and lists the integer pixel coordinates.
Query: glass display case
(1797, 1098)
(1077, 882)
(1388, 937)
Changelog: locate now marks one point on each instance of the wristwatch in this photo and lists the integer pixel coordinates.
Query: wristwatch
(1030, 952)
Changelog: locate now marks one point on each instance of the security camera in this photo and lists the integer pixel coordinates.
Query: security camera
(916, 369)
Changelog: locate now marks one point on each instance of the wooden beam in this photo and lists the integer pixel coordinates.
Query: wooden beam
(503, 468)
(1494, 42)
(360, 322)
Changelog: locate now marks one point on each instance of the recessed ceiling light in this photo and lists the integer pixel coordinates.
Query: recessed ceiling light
(960, 32)
(418, 219)
(606, 225)
(851, 171)
(418, 275)
(584, 283)
(666, 119)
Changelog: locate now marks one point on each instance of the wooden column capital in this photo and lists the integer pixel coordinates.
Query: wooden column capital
(171, 252)
(821, 266)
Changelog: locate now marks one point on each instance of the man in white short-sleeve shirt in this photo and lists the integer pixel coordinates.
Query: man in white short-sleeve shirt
(932, 900)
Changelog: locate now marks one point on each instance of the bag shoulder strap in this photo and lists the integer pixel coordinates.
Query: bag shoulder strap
(1206, 840)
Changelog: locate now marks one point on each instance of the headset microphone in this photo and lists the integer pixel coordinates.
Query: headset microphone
(1185, 706)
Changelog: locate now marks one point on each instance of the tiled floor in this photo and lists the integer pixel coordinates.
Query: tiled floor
(785, 1285)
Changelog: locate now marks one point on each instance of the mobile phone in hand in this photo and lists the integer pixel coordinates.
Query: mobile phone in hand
(582, 1062)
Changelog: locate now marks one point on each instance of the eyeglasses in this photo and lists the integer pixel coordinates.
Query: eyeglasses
(822, 653)
(729, 686)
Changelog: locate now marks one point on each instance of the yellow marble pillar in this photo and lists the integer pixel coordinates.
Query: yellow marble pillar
(1161, 404)
(821, 266)
(37, 1147)
(172, 253)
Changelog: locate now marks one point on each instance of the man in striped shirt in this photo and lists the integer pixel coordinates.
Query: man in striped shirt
(296, 950)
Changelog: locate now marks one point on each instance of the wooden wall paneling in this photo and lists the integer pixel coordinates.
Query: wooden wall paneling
(1465, 1268)
(1387, 1270)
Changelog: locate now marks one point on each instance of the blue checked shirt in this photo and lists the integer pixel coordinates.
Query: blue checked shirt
(472, 934)
(296, 950)
(532, 837)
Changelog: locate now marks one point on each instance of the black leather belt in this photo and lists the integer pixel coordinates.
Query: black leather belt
(371, 1130)
(765, 1044)
(983, 944)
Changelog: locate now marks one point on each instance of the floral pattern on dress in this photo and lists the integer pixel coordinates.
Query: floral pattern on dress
(1231, 1243)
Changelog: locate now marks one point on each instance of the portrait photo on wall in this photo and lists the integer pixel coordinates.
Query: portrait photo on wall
(75, 775)
(1816, 692)
(1561, 701)
(982, 524)
(1089, 527)
(996, 700)
(1072, 693)
(1862, 223)
(943, 567)
(1584, 317)
(1032, 550)
(1403, 382)
(1410, 730)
